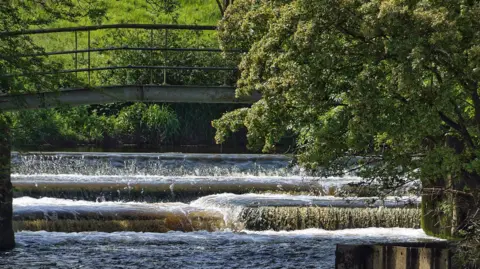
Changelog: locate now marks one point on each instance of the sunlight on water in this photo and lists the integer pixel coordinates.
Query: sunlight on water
(206, 211)
(149, 164)
(313, 248)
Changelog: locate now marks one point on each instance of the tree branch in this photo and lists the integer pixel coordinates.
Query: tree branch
(459, 127)
(476, 105)
(437, 190)
(219, 4)
(463, 127)
(449, 121)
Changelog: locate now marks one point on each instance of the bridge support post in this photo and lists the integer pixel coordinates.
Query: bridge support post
(7, 239)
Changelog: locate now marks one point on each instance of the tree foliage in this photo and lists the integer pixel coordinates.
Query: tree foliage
(22, 15)
(392, 82)
(391, 86)
(142, 124)
(138, 124)
(98, 124)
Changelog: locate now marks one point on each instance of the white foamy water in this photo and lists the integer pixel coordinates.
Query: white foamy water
(267, 199)
(232, 205)
(118, 176)
(155, 164)
(409, 235)
(59, 178)
(221, 201)
(309, 248)
(229, 205)
(391, 233)
(62, 203)
(166, 164)
(51, 208)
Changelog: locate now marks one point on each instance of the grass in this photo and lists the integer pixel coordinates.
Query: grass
(199, 12)
(190, 12)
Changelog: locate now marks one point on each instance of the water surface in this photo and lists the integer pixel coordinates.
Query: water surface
(234, 194)
(311, 248)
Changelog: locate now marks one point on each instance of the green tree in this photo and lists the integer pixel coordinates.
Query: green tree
(223, 5)
(393, 83)
(22, 15)
(15, 16)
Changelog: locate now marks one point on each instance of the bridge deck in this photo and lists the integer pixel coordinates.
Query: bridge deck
(152, 84)
(124, 93)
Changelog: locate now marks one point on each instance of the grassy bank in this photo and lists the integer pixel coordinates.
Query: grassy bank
(120, 124)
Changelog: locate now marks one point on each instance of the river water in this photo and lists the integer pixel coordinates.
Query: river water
(114, 210)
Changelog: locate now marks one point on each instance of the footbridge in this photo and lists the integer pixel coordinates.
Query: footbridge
(119, 63)
(103, 64)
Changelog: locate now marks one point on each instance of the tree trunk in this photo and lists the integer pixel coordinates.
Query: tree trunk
(447, 208)
(7, 240)
(448, 204)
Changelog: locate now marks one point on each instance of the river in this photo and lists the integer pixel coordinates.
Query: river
(172, 210)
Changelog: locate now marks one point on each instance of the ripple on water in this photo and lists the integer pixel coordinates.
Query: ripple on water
(312, 248)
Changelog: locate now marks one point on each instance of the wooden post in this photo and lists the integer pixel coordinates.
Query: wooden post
(397, 257)
(353, 257)
(378, 257)
(7, 239)
(435, 255)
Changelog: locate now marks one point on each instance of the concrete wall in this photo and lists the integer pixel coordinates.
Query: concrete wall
(393, 256)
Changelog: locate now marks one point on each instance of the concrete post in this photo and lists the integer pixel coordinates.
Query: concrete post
(7, 239)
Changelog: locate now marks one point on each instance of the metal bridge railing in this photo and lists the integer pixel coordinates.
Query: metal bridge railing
(165, 49)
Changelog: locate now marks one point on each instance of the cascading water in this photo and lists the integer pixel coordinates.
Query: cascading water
(230, 205)
(143, 164)
(159, 177)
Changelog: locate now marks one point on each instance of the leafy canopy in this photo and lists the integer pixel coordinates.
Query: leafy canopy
(394, 82)
(22, 15)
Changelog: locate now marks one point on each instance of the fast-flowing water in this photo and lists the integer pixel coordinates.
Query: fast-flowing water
(299, 249)
(159, 177)
(112, 210)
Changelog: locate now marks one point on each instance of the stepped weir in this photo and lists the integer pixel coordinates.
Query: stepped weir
(215, 207)
(85, 89)
(187, 192)
(241, 202)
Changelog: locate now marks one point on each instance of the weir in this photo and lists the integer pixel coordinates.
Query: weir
(155, 89)
(175, 206)
(278, 212)
(266, 194)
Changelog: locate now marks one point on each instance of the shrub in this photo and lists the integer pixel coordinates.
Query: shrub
(142, 124)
